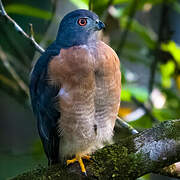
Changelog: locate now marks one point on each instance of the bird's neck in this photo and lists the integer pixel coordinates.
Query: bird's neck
(76, 41)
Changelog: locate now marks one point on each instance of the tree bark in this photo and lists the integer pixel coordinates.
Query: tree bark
(129, 158)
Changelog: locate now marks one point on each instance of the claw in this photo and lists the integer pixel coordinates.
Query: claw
(87, 157)
(84, 173)
(79, 159)
(71, 161)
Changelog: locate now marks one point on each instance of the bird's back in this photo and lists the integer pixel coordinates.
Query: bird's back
(89, 80)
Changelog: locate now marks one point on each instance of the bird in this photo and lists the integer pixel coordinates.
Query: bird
(75, 89)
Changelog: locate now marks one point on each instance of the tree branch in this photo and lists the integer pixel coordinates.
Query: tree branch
(19, 29)
(128, 158)
(123, 124)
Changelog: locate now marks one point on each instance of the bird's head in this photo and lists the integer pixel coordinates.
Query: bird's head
(78, 27)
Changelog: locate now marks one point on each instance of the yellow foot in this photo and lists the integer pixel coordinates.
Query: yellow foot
(79, 159)
(87, 157)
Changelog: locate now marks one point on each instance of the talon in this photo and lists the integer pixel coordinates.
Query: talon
(82, 165)
(79, 159)
(87, 157)
(71, 161)
(84, 173)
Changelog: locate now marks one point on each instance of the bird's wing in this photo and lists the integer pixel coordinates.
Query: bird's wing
(43, 103)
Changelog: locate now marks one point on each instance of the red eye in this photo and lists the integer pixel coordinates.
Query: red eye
(82, 21)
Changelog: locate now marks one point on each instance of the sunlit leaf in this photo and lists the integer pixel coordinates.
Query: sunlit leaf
(82, 4)
(145, 177)
(173, 48)
(166, 71)
(139, 92)
(121, 1)
(27, 10)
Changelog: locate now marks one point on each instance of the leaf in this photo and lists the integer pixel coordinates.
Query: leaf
(139, 92)
(167, 71)
(173, 48)
(166, 114)
(121, 1)
(82, 4)
(142, 123)
(27, 10)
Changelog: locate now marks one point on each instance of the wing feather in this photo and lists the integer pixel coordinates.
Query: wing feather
(43, 102)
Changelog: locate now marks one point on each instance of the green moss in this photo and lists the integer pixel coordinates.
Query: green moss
(44, 173)
(117, 159)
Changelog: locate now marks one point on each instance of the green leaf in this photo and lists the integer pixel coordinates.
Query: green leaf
(121, 1)
(139, 92)
(125, 95)
(82, 4)
(165, 114)
(167, 71)
(142, 123)
(27, 10)
(173, 48)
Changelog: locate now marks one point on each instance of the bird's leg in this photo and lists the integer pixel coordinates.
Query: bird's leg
(79, 159)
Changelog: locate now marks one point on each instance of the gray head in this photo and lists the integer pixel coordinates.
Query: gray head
(78, 27)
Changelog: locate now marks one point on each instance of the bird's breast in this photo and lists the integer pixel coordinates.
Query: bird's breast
(89, 80)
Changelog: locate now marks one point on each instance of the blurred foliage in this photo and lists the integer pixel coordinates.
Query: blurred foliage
(26, 10)
(130, 31)
(139, 92)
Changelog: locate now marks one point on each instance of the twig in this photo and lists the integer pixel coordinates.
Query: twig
(2, 9)
(125, 125)
(15, 76)
(31, 31)
(128, 25)
(19, 29)
(148, 112)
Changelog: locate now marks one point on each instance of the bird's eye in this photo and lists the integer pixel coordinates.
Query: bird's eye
(82, 21)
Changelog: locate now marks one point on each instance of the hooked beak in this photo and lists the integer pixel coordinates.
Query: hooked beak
(100, 25)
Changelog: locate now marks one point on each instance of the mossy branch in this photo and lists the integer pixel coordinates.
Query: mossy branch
(129, 158)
